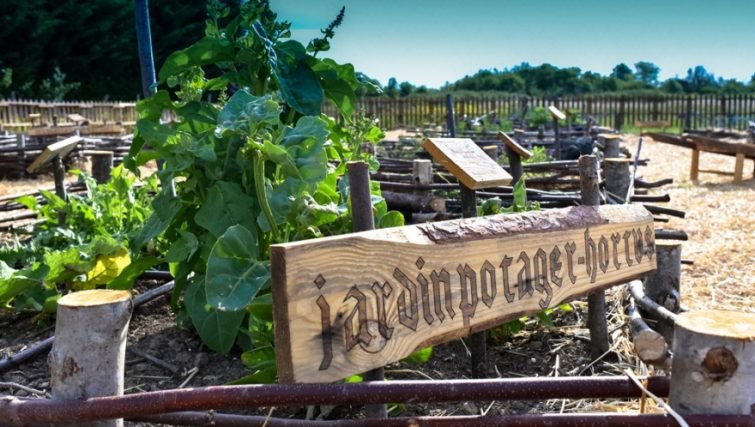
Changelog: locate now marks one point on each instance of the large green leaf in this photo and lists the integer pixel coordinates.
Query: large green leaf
(14, 282)
(208, 50)
(245, 113)
(306, 144)
(338, 82)
(128, 276)
(218, 329)
(298, 84)
(165, 209)
(234, 274)
(226, 205)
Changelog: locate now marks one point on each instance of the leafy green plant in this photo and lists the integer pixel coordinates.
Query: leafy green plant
(261, 166)
(88, 250)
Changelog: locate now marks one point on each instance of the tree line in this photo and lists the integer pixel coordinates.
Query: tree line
(549, 80)
(67, 49)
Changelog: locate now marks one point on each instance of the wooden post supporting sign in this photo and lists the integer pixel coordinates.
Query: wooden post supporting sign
(474, 170)
(348, 304)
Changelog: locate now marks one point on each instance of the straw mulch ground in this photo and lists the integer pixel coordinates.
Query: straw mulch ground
(720, 223)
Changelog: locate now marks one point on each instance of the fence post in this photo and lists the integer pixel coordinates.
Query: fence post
(363, 220)
(619, 118)
(89, 352)
(596, 301)
(21, 145)
(713, 368)
(450, 119)
(688, 114)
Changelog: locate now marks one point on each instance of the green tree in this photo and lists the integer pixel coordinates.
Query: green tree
(622, 72)
(391, 89)
(647, 72)
(405, 89)
(699, 80)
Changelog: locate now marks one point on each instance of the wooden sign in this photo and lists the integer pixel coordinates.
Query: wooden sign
(557, 114)
(514, 146)
(652, 124)
(347, 304)
(467, 162)
(60, 148)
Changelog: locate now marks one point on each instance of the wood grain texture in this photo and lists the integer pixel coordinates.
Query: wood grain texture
(346, 304)
(60, 148)
(467, 162)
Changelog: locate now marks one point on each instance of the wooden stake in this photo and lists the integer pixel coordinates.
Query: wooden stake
(695, 165)
(739, 168)
(477, 341)
(662, 286)
(596, 301)
(422, 171)
(88, 356)
(363, 220)
(714, 363)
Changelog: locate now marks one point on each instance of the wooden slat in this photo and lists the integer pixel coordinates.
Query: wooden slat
(60, 148)
(347, 304)
(467, 162)
(513, 145)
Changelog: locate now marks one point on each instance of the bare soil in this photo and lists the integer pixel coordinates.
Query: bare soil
(720, 222)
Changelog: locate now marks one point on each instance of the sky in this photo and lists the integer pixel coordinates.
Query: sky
(431, 42)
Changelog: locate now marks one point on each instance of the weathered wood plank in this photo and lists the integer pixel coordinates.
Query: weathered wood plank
(514, 146)
(347, 304)
(556, 113)
(60, 148)
(467, 162)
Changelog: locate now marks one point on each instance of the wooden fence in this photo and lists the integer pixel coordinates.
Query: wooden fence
(23, 114)
(688, 112)
(682, 111)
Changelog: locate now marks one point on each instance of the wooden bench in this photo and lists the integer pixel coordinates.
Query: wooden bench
(698, 143)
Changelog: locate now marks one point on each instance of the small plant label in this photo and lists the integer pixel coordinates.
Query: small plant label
(60, 148)
(347, 304)
(467, 162)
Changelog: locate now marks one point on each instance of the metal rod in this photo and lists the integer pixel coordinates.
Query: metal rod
(363, 220)
(534, 420)
(44, 411)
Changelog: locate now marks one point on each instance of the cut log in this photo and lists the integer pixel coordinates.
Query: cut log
(714, 363)
(88, 356)
(422, 171)
(649, 345)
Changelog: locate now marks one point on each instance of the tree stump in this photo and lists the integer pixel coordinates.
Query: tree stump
(102, 165)
(713, 368)
(617, 176)
(662, 286)
(88, 356)
(422, 171)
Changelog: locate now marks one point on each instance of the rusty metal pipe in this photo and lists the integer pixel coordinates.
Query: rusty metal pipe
(23, 411)
(594, 419)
